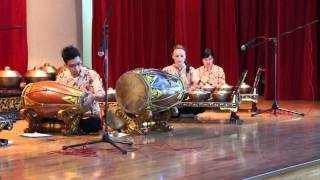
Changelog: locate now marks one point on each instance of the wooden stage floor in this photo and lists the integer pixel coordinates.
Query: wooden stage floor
(194, 150)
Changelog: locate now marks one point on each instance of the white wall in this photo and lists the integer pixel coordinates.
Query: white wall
(87, 32)
(52, 25)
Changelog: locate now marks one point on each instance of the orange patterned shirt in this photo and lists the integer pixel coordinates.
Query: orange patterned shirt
(188, 79)
(214, 77)
(87, 81)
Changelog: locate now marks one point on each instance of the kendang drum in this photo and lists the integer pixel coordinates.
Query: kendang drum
(148, 89)
(46, 98)
(51, 100)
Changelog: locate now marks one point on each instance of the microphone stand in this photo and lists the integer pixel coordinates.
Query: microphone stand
(104, 52)
(274, 40)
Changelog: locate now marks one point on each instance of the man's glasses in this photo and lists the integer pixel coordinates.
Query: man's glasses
(74, 65)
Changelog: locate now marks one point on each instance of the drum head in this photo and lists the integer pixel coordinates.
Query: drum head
(132, 92)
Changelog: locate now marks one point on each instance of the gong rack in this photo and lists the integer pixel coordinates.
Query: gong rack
(10, 103)
(234, 104)
(231, 106)
(253, 95)
(5, 124)
(237, 97)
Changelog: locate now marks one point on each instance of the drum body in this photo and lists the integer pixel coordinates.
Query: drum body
(47, 98)
(148, 89)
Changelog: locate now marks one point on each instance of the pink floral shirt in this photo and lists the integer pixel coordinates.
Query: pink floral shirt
(214, 77)
(87, 81)
(188, 79)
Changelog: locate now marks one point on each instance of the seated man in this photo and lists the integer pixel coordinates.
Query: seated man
(77, 76)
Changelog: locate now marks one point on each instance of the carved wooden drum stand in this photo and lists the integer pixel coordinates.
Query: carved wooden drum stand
(48, 99)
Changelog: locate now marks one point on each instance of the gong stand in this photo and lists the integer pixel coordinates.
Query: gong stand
(6, 124)
(274, 40)
(103, 52)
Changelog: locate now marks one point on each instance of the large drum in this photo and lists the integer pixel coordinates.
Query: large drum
(46, 98)
(148, 89)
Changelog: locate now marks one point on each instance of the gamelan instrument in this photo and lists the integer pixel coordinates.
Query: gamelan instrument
(46, 98)
(148, 89)
(51, 100)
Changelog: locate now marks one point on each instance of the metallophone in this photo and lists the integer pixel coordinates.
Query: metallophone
(231, 106)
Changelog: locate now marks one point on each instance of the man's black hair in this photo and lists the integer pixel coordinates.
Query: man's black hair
(69, 53)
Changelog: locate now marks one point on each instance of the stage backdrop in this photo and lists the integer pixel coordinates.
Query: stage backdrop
(13, 35)
(142, 33)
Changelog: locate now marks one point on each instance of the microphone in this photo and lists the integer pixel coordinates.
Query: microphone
(104, 32)
(100, 53)
(102, 47)
(245, 46)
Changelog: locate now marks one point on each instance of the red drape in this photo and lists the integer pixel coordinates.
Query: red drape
(13, 35)
(142, 33)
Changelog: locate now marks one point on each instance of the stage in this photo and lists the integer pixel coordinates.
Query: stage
(206, 149)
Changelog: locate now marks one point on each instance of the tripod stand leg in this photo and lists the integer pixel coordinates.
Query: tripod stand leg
(106, 138)
(81, 144)
(114, 145)
(275, 108)
(95, 142)
(122, 142)
(289, 111)
(262, 111)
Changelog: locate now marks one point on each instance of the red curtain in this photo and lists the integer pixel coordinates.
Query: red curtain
(13, 35)
(142, 33)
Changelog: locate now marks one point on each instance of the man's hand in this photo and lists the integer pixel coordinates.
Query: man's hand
(88, 101)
